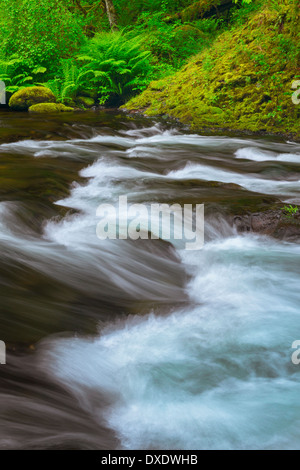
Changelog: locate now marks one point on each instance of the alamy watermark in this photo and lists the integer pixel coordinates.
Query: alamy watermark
(296, 354)
(296, 94)
(153, 221)
(2, 92)
(2, 352)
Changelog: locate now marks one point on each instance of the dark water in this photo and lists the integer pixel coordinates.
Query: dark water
(142, 344)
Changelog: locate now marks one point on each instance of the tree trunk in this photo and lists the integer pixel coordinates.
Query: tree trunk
(111, 13)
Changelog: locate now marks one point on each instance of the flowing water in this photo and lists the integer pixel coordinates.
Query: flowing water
(122, 344)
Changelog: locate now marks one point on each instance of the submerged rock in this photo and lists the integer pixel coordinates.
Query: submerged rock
(50, 108)
(275, 223)
(27, 97)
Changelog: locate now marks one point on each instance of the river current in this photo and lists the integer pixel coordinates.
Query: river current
(123, 344)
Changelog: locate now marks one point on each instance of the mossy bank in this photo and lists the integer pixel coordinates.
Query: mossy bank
(243, 81)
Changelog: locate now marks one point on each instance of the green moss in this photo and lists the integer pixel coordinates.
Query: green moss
(196, 10)
(185, 33)
(49, 108)
(243, 81)
(85, 101)
(23, 99)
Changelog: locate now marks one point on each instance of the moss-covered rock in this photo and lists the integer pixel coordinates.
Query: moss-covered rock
(85, 101)
(242, 81)
(199, 9)
(69, 102)
(50, 108)
(272, 222)
(185, 33)
(23, 99)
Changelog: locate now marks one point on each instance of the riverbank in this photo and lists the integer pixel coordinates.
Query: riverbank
(243, 82)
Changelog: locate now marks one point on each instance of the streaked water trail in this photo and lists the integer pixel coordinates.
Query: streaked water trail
(145, 345)
(214, 375)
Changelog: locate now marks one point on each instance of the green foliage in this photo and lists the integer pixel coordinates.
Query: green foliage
(23, 99)
(65, 45)
(85, 101)
(111, 66)
(290, 211)
(198, 9)
(241, 81)
(40, 32)
(240, 14)
(71, 81)
(129, 12)
(17, 75)
(119, 65)
(211, 26)
(171, 44)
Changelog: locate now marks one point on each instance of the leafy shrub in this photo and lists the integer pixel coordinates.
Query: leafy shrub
(240, 14)
(120, 66)
(211, 26)
(110, 66)
(71, 81)
(39, 31)
(17, 75)
(44, 42)
(172, 43)
(129, 11)
(290, 211)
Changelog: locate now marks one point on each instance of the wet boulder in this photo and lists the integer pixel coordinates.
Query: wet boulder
(275, 223)
(23, 99)
(50, 108)
(85, 101)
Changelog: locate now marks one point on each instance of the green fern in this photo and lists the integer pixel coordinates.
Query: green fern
(120, 66)
(16, 74)
(73, 80)
(110, 65)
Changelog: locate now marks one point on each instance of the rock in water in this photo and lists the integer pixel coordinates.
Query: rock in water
(50, 108)
(85, 101)
(27, 97)
(274, 223)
